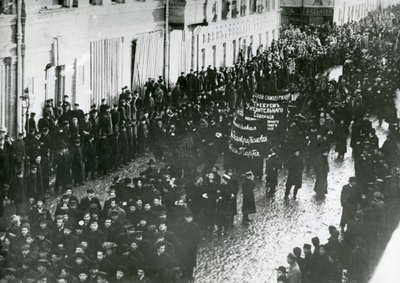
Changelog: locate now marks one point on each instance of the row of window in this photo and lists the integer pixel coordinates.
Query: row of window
(241, 45)
(239, 7)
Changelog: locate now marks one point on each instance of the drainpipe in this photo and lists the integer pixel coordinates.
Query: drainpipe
(166, 44)
(20, 127)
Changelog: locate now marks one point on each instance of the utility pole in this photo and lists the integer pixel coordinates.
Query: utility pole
(166, 44)
(19, 127)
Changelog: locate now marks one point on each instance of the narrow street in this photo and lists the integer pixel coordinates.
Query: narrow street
(250, 254)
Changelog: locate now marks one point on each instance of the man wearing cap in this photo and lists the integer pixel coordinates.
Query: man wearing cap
(142, 135)
(63, 175)
(163, 263)
(77, 163)
(66, 104)
(105, 123)
(348, 198)
(224, 211)
(280, 272)
(18, 151)
(33, 144)
(48, 110)
(272, 169)
(249, 203)
(42, 268)
(158, 132)
(10, 275)
(18, 192)
(30, 124)
(77, 113)
(295, 174)
(103, 263)
(190, 237)
(89, 200)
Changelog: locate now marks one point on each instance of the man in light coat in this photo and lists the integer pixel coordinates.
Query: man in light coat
(294, 273)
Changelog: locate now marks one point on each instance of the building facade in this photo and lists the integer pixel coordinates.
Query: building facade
(328, 11)
(86, 49)
(212, 33)
(90, 49)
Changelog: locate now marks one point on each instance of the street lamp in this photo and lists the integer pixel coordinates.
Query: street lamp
(25, 103)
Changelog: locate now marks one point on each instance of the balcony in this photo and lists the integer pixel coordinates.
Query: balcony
(188, 12)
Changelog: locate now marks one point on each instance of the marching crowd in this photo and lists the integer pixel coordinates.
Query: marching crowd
(370, 200)
(149, 227)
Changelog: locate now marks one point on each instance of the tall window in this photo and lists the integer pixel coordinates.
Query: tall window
(243, 7)
(224, 9)
(267, 5)
(234, 51)
(253, 6)
(273, 5)
(214, 50)
(203, 57)
(235, 9)
(60, 82)
(224, 54)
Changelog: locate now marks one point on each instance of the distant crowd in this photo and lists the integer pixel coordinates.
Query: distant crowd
(149, 228)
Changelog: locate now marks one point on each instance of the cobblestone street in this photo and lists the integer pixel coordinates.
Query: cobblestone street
(250, 254)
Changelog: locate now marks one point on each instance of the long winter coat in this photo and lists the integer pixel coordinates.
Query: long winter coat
(341, 134)
(295, 174)
(249, 202)
(321, 170)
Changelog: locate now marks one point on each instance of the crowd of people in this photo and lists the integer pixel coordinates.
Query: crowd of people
(149, 227)
(370, 200)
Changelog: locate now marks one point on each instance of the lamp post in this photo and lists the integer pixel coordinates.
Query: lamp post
(25, 103)
(19, 59)
(166, 44)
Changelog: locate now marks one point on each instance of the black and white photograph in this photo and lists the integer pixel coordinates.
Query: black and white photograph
(199, 141)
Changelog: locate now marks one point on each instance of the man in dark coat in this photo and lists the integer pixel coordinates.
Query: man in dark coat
(190, 239)
(208, 201)
(224, 213)
(341, 135)
(18, 150)
(89, 200)
(77, 113)
(31, 181)
(182, 83)
(33, 144)
(348, 201)
(272, 169)
(249, 202)
(321, 171)
(158, 132)
(45, 153)
(90, 157)
(18, 191)
(163, 264)
(103, 153)
(105, 123)
(115, 118)
(295, 174)
(85, 126)
(77, 163)
(142, 135)
(31, 123)
(63, 175)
